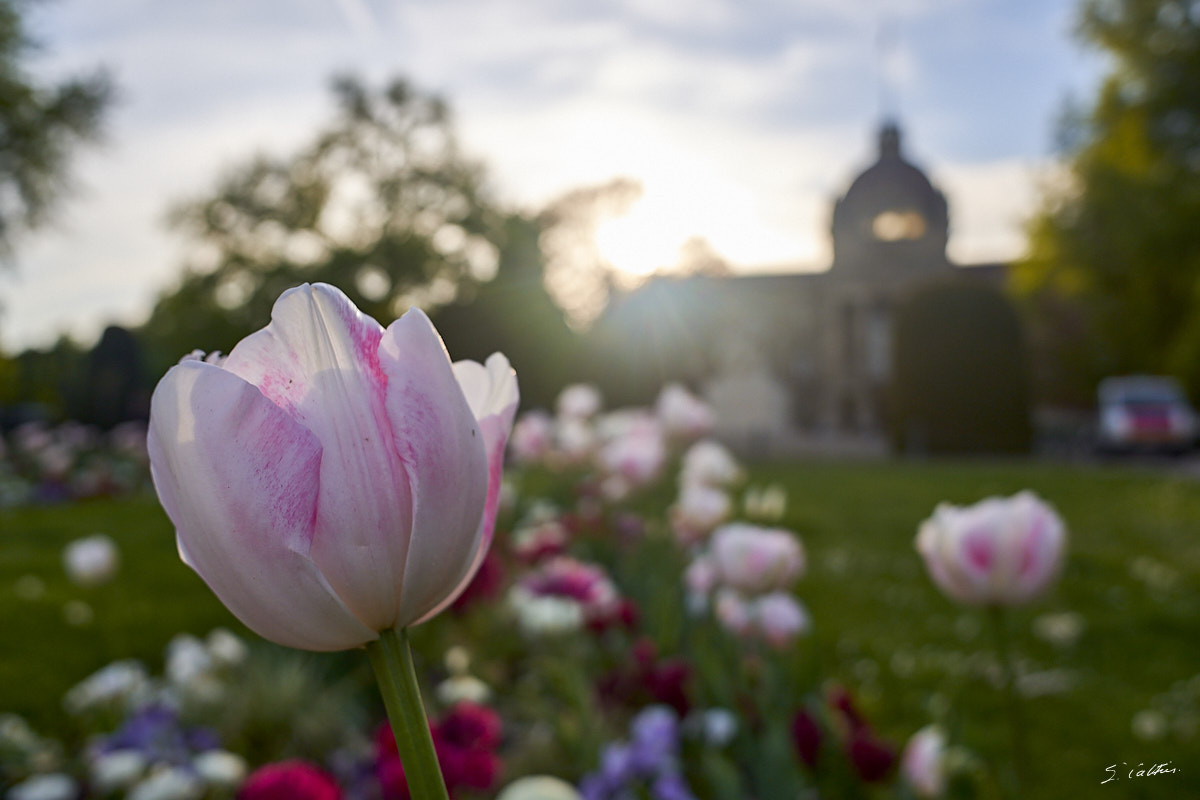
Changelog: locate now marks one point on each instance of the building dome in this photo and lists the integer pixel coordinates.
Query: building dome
(890, 214)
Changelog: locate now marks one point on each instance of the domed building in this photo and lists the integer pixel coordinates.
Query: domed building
(889, 232)
(801, 358)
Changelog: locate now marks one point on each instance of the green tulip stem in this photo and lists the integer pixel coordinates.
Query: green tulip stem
(1012, 696)
(391, 658)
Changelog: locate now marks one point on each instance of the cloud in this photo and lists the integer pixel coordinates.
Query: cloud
(990, 203)
(755, 114)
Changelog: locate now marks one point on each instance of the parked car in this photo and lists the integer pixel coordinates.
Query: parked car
(1145, 413)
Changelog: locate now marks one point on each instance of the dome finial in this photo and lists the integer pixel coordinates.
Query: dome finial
(889, 139)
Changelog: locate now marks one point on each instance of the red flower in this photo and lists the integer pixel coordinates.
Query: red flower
(290, 780)
(473, 769)
(484, 586)
(390, 773)
(840, 700)
(649, 680)
(871, 757)
(464, 741)
(470, 727)
(806, 737)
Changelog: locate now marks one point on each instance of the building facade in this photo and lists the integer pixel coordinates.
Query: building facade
(803, 356)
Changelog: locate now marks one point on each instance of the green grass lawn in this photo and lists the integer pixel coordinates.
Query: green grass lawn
(1133, 576)
(153, 598)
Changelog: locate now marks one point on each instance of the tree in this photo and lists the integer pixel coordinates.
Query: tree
(40, 124)
(1113, 275)
(380, 203)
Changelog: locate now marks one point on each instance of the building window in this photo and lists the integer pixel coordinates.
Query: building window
(879, 343)
(896, 226)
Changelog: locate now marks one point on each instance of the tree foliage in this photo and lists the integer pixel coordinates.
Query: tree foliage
(40, 124)
(381, 202)
(1113, 274)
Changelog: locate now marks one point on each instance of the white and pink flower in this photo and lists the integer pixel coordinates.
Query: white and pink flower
(998, 552)
(332, 479)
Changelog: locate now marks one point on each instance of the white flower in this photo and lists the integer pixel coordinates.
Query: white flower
(118, 769)
(574, 440)
(460, 688)
(55, 786)
(719, 726)
(539, 787)
(187, 660)
(924, 762)
(1149, 725)
(225, 648)
(123, 682)
(92, 560)
(579, 401)
(767, 504)
(710, 463)
(543, 615)
(172, 783)
(698, 510)
(16, 734)
(220, 768)
(1061, 629)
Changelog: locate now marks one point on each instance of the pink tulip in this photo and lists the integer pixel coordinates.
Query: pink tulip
(698, 510)
(923, 763)
(781, 618)
(734, 613)
(1000, 551)
(579, 401)
(756, 560)
(532, 437)
(637, 455)
(331, 479)
(683, 415)
(710, 463)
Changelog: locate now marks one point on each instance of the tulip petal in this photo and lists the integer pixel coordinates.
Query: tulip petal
(442, 448)
(239, 478)
(1039, 549)
(493, 396)
(318, 360)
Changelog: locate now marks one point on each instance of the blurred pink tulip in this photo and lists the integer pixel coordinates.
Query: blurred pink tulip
(533, 437)
(682, 414)
(998, 552)
(709, 462)
(781, 619)
(923, 763)
(755, 560)
(331, 479)
(733, 612)
(698, 510)
(579, 401)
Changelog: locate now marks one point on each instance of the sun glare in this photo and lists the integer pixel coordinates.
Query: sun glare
(651, 236)
(636, 243)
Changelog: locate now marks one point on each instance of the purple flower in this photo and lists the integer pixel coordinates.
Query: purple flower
(616, 765)
(655, 744)
(671, 786)
(649, 761)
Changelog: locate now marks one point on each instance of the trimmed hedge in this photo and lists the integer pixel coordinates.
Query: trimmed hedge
(961, 379)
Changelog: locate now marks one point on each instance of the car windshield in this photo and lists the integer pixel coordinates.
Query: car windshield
(1142, 393)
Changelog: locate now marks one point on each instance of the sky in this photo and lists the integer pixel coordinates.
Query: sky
(743, 119)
